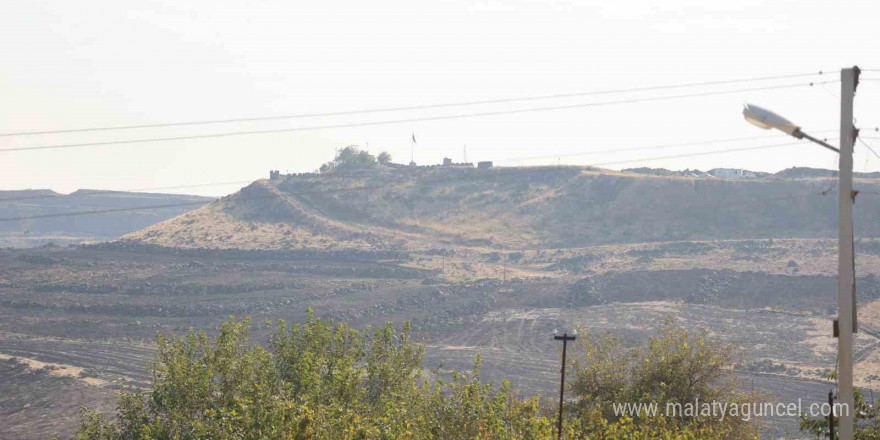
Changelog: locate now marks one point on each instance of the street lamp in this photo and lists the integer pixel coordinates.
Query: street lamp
(846, 323)
(766, 119)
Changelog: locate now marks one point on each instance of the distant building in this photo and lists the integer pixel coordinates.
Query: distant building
(447, 162)
(732, 173)
(484, 165)
(274, 174)
(695, 173)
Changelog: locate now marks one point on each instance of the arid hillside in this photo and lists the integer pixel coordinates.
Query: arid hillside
(479, 261)
(510, 209)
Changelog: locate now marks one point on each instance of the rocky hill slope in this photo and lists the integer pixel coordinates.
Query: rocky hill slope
(510, 208)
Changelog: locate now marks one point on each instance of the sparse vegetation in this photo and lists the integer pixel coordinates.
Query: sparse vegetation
(326, 380)
(514, 208)
(674, 367)
(384, 158)
(432, 245)
(866, 416)
(352, 158)
(139, 290)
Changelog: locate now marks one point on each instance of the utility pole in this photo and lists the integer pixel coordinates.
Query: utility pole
(831, 415)
(564, 338)
(846, 323)
(846, 299)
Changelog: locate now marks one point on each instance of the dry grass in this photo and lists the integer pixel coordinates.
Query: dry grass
(211, 227)
(513, 209)
(869, 315)
(56, 369)
(812, 256)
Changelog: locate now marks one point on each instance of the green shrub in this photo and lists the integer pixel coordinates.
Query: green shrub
(324, 380)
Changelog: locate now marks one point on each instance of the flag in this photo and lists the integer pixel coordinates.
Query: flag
(414, 137)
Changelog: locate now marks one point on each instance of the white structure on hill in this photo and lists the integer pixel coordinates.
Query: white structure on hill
(732, 173)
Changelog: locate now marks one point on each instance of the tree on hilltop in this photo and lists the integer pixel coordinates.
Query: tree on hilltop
(353, 158)
(384, 158)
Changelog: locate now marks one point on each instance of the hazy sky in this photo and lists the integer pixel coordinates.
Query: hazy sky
(103, 63)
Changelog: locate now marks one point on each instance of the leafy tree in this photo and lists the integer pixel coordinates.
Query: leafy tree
(384, 158)
(675, 367)
(348, 159)
(325, 380)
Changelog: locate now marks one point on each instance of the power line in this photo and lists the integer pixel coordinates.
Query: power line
(650, 159)
(650, 147)
(868, 146)
(185, 204)
(105, 211)
(520, 159)
(408, 120)
(414, 107)
(360, 188)
(702, 153)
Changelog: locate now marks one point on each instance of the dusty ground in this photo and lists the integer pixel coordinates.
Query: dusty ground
(479, 261)
(91, 314)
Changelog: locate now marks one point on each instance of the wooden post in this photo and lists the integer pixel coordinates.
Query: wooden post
(564, 338)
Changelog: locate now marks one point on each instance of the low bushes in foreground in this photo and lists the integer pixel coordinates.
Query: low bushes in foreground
(325, 380)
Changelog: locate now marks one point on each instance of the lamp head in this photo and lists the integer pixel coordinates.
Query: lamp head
(766, 119)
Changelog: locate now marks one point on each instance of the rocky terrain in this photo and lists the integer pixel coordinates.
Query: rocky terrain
(480, 261)
(509, 208)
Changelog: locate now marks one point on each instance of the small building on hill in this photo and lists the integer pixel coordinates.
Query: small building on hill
(484, 165)
(447, 162)
(732, 173)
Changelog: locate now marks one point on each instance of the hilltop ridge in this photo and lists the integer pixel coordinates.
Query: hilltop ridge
(507, 208)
